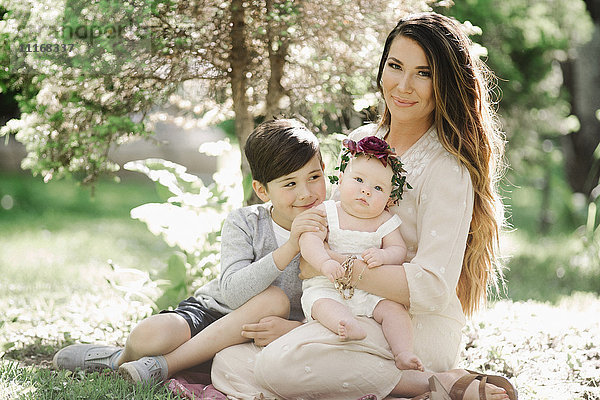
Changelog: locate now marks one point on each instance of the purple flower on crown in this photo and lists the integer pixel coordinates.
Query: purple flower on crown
(351, 146)
(375, 147)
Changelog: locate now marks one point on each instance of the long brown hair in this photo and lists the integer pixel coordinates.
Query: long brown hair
(467, 127)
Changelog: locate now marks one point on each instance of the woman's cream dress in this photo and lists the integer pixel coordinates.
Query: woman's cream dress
(311, 362)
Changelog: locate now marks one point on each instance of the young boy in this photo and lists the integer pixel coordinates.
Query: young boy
(259, 269)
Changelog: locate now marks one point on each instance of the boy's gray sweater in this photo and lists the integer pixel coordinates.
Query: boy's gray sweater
(247, 266)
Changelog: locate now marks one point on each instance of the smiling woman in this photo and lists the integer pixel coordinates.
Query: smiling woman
(407, 87)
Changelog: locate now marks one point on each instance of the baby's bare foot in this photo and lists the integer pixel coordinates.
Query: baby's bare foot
(408, 360)
(351, 330)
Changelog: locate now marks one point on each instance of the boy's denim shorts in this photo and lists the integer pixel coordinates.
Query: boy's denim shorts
(196, 315)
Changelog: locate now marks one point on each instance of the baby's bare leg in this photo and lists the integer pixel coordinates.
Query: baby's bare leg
(398, 331)
(338, 318)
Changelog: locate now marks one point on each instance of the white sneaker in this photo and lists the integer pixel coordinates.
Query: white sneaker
(88, 357)
(146, 369)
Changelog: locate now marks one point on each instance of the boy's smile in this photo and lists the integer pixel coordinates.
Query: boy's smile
(294, 193)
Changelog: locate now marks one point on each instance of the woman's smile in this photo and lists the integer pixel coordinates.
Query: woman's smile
(400, 102)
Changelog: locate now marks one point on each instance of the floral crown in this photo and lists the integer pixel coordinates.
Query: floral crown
(372, 146)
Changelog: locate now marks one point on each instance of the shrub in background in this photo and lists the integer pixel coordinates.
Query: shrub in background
(189, 220)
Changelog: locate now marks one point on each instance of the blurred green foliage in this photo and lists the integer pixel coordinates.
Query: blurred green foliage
(189, 218)
(526, 43)
(551, 267)
(32, 199)
(554, 248)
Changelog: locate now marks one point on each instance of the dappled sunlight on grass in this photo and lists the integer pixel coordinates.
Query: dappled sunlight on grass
(51, 318)
(550, 352)
(15, 387)
(78, 251)
(54, 258)
(22, 382)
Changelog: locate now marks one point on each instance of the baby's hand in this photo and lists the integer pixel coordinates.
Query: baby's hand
(374, 257)
(332, 270)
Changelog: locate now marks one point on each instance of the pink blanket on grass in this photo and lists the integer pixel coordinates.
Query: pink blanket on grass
(196, 386)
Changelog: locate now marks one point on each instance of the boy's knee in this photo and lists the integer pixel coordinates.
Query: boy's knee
(140, 335)
(275, 302)
(155, 332)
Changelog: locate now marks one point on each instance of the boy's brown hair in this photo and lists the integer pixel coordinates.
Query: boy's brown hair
(279, 147)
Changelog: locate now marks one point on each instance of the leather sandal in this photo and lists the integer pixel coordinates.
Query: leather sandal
(436, 391)
(460, 386)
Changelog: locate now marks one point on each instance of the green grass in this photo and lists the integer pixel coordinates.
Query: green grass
(57, 234)
(21, 383)
(547, 267)
(550, 268)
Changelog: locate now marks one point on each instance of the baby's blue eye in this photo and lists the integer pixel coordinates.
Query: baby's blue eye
(379, 188)
(358, 179)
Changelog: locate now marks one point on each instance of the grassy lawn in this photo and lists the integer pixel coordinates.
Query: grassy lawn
(55, 243)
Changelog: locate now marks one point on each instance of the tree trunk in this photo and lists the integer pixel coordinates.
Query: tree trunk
(239, 59)
(582, 78)
(275, 91)
(278, 48)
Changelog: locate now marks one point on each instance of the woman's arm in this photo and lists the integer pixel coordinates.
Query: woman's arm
(426, 282)
(387, 281)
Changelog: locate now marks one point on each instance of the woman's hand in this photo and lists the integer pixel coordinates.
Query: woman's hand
(268, 329)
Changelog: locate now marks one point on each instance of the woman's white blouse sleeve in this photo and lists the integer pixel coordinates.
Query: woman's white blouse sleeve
(444, 210)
